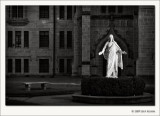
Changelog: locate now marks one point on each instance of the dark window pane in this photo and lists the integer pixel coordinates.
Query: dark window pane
(17, 11)
(26, 65)
(111, 9)
(69, 39)
(17, 65)
(18, 39)
(103, 9)
(26, 38)
(43, 65)
(74, 9)
(69, 12)
(44, 39)
(10, 38)
(9, 65)
(120, 9)
(44, 12)
(69, 66)
(20, 11)
(9, 11)
(61, 65)
(14, 11)
(61, 12)
(61, 39)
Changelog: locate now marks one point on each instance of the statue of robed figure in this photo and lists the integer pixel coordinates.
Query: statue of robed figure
(113, 54)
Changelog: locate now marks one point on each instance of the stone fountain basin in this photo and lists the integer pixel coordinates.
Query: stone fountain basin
(120, 100)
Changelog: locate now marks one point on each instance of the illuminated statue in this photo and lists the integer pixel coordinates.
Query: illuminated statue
(113, 54)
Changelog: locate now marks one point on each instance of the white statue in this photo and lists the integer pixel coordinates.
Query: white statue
(113, 54)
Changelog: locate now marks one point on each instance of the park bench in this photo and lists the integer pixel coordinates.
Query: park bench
(28, 85)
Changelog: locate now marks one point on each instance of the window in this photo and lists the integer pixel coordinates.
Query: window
(61, 12)
(10, 38)
(17, 15)
(17, 12)
(9, 11)
(103, 9)
(43, 65)
(44, 12)
(17, 65)
(9, 65)
(26, 65)
(120, 9)
(69, 66)
(44, 39)
(69, 12)
(111, 9)
(18, 39)
(65, 65)
(61, 39)
(61, 65)
(69, 39)
(26, 39)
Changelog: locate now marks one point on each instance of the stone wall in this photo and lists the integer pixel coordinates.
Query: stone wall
(33, 53)
(135, 28)
(86, 40)
(146, 46)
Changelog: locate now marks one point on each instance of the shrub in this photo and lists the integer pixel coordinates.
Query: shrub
(97, 86)
(139, 86)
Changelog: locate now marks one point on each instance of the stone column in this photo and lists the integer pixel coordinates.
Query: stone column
(146, 43)
(86, 40)
(76, 45)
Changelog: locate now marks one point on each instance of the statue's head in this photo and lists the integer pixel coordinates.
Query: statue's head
(111, 37)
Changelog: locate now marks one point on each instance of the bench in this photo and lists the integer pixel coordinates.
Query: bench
(28, 85)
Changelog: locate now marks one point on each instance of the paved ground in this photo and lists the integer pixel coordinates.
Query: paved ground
(57, 100)
(56, 86)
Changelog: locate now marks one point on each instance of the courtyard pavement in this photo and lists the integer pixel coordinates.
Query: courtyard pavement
(53, 100)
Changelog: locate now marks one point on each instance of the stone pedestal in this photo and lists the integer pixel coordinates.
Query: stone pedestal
(86, 40)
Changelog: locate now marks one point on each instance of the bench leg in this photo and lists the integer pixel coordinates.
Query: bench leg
(43, 86)
(28, 87)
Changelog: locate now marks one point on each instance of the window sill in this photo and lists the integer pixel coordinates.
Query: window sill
(43, 72)
(43, 18)
(18, 48)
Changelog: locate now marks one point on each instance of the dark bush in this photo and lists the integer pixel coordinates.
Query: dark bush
(139, 86)
(101, 86)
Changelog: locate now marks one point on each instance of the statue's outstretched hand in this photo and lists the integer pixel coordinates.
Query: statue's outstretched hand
(100, 53)
(124, 52)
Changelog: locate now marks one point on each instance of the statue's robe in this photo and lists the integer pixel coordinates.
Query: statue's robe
(113, 55)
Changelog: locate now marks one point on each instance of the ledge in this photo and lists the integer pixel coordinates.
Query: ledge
(114, 100)
(18, 22)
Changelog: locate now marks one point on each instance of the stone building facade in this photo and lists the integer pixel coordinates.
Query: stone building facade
(65, 40)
